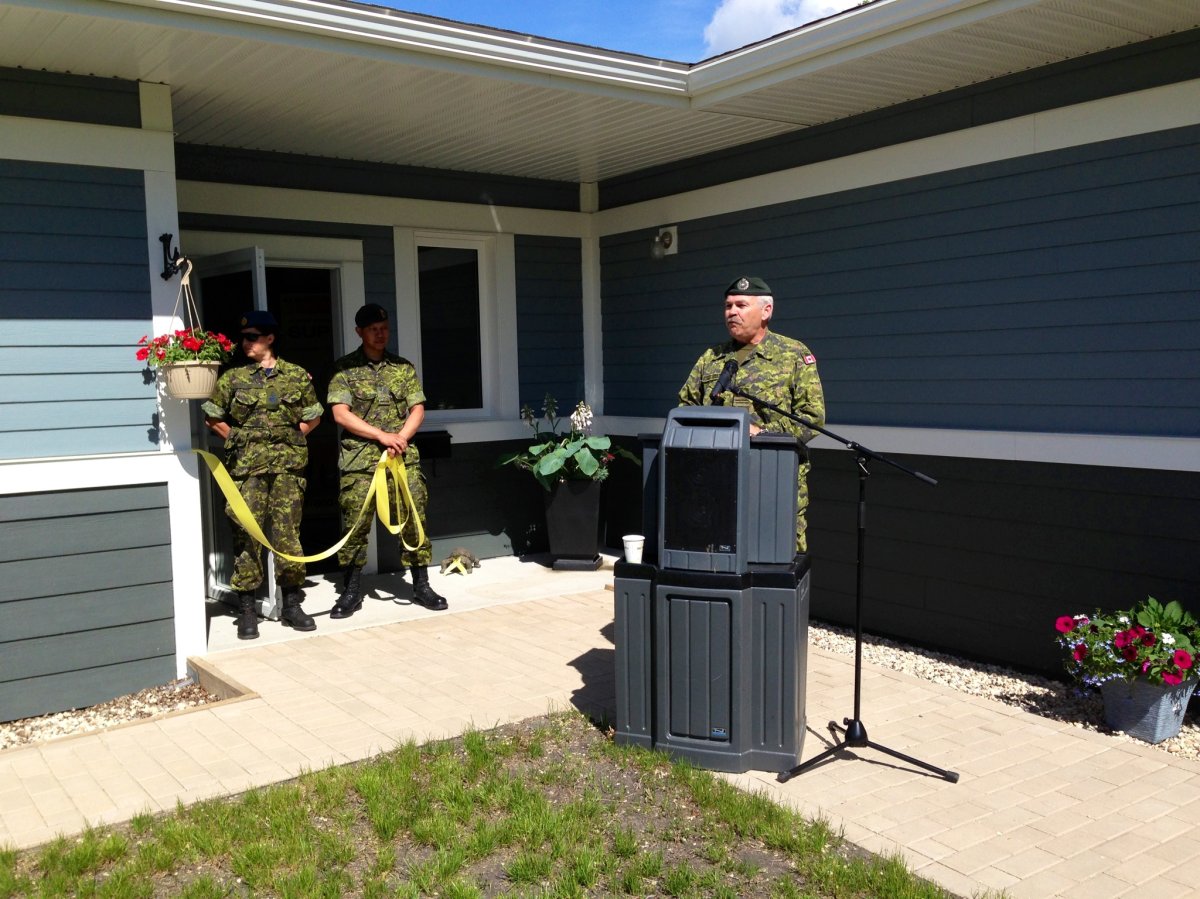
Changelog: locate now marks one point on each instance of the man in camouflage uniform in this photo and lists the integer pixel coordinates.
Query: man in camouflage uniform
(379, 402)
(776, 368)
(264, 411)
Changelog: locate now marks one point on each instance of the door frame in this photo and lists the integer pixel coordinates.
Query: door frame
(343, 256)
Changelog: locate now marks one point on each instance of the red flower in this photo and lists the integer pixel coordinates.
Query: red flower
(160, 353)
(143, 354)
(1149, 639)
(1122, 639)
(1183, 659)
(1080, 652)
(1065, 624)
(1130, 653)
(1172, 678)
(143, 340)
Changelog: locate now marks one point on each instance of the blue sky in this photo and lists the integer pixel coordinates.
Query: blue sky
(682, 30)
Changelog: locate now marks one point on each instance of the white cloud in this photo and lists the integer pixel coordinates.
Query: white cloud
(740, 22)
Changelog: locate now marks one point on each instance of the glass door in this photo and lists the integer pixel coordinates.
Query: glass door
(226, 286)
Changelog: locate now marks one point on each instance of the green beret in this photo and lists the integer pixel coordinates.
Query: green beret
(748, 287)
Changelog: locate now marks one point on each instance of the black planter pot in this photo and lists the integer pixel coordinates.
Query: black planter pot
(573, 525)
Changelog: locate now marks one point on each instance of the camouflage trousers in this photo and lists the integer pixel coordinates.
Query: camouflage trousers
(802, 507)
(353, 490)
(277, 502)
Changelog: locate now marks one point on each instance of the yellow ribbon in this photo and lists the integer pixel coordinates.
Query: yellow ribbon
(457, 563)
(387, 467)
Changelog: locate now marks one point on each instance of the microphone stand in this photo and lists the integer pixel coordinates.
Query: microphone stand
(855, 731)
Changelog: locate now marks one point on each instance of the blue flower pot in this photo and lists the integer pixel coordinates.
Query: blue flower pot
(1150, 712)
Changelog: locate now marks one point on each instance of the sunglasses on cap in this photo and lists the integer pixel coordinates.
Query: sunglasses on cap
(251, 335)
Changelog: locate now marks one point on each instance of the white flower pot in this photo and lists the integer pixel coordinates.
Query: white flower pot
(189, 380)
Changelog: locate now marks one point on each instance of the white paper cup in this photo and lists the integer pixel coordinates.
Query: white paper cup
(633, 547)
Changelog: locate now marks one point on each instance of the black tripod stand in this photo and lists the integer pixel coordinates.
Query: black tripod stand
(855, 731)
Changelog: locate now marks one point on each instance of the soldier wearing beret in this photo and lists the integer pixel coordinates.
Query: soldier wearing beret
(380, 404)
(264, 411)
(776, 368)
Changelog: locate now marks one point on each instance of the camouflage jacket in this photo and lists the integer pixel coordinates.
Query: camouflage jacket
(780, 370)
(264, 414)
(380, 393)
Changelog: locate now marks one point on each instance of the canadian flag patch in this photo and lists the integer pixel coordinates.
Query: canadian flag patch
(810, 359)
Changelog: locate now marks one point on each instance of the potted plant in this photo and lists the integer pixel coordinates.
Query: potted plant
(570, 467)
(1142, 660)
(188, 359)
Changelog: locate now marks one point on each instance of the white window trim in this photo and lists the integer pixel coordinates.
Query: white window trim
(497, 322)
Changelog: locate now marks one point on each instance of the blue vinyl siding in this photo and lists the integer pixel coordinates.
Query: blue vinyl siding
(985, 561)
(1056, 292)
(269, 169)
(86, 604)
(74, 299)
(549, 320)
(70, 98)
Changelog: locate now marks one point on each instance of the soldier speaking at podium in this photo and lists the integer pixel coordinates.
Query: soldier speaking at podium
(777, 369)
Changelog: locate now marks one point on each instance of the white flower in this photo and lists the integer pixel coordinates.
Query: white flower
(1124, 619)
(581, 418)
(1167, 639)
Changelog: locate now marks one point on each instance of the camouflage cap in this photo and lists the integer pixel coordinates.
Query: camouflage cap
(748, 287)
(261, 319)
(369, 315)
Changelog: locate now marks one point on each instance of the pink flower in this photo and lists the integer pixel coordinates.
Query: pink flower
(1130, 653)
(1080, 652)
(1065, 624)
(1183, 659)
(1121, 640)
(1172, 678)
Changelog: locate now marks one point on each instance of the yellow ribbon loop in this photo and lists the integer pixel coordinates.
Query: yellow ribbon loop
(388, 466)
(457, 563)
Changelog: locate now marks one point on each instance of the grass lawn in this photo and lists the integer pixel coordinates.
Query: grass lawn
(544, 807)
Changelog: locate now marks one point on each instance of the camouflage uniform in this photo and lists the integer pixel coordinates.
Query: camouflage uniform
(380, 393)
(780, 370)
(265, 454)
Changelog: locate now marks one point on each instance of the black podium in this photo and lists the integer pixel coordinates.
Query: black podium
(712, 627)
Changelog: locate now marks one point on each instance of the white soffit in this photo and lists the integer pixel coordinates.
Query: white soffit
(853, 63)
(349, 81)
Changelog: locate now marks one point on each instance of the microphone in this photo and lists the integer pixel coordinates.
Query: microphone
(727, 374)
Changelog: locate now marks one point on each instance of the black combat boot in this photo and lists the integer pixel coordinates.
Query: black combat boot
(351, 599)
(292, 615)
(423, 594)
(247, 623)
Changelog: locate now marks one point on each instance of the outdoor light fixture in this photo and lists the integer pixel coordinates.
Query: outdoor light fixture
(665, 243)
(170, 260)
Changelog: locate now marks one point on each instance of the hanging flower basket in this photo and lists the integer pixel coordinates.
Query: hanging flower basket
(189, 380)
(189, 358)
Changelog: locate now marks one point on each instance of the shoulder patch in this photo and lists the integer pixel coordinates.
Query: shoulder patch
(810, 359)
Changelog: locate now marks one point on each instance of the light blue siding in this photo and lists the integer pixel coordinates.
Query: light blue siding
(74, 300)
(86, 606)
(549, 320)
(1056, 292)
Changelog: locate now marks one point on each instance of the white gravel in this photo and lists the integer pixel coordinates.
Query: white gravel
(1039, 695)
(154, 701)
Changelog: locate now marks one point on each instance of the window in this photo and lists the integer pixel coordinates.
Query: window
(448, 279)
(456, 321)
